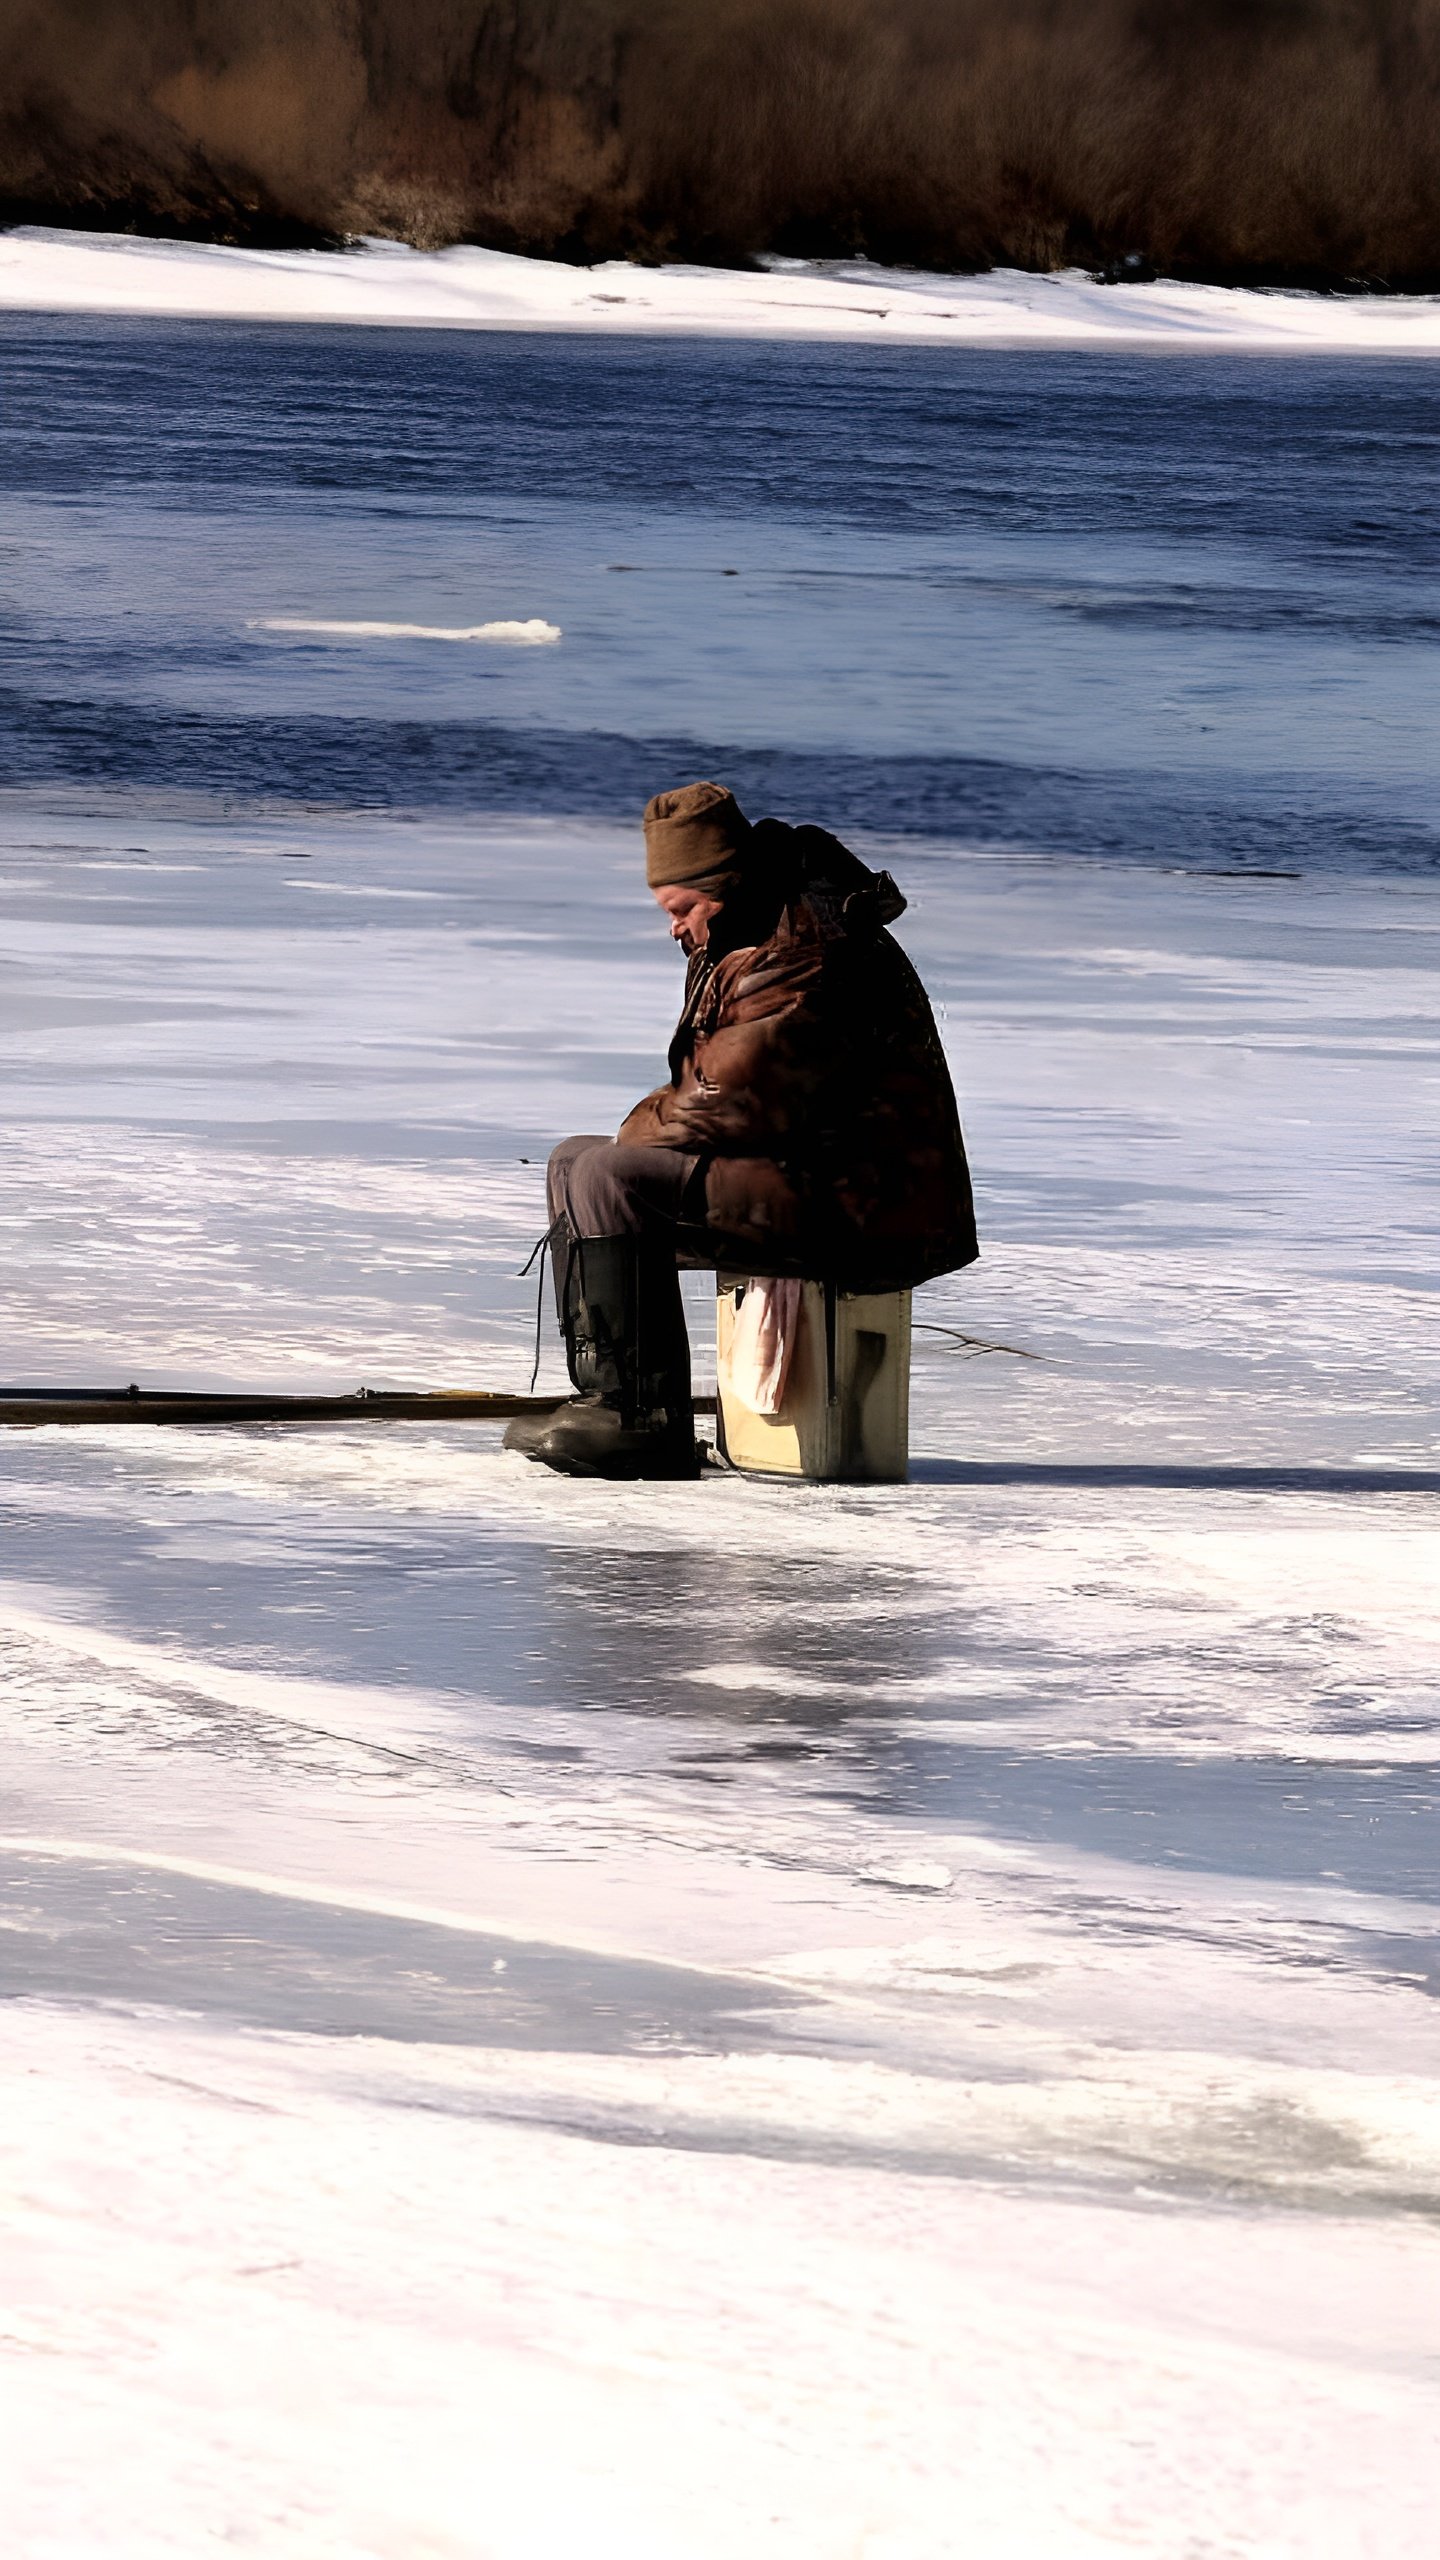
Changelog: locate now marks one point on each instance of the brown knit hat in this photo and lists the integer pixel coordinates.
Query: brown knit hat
(693, 835)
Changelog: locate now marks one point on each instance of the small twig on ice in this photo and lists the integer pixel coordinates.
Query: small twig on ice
(976, 1342)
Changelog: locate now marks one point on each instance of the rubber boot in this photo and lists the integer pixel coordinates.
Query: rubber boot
(629, 1357)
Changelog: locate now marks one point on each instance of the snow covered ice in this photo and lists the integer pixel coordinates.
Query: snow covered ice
(937, 1952)
(726, 2017)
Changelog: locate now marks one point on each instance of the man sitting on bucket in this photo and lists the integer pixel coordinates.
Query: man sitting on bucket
(808, 1128)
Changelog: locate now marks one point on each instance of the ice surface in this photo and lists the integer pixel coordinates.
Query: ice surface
(809, 2020)
(733, 2016)
(354, 2305)
(792, 298)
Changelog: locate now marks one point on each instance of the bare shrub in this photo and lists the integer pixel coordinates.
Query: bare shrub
(1228, 138)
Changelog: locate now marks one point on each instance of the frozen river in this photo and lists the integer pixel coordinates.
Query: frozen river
(831, 2021)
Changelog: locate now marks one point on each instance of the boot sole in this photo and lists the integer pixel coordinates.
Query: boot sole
(565, 1466)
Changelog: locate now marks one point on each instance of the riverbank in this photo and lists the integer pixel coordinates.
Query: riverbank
(379, 282)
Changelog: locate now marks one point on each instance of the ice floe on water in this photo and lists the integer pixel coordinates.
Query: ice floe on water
(380, 280)
(518, 635)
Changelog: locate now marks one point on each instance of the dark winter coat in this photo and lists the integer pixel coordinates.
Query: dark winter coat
(807, 1074)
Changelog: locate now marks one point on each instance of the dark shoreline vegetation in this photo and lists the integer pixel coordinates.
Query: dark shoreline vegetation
(1238, 141)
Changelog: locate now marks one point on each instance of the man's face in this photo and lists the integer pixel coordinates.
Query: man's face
(691, 915)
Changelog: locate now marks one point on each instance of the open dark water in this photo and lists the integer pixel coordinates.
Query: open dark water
(1177, 610)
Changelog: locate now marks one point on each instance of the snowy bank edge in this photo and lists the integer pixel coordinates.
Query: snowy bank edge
(381, 283)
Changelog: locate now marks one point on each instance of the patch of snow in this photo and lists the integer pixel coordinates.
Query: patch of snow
(380, 281)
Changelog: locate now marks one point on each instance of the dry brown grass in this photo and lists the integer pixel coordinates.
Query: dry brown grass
(1231, 138)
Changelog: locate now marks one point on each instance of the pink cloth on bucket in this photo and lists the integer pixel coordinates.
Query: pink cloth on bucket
(762, 1345)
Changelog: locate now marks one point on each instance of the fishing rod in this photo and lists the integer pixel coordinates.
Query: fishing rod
(32, 1408)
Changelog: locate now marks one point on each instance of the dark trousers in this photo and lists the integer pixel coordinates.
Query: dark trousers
(607, 1190)
(601, 1189)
